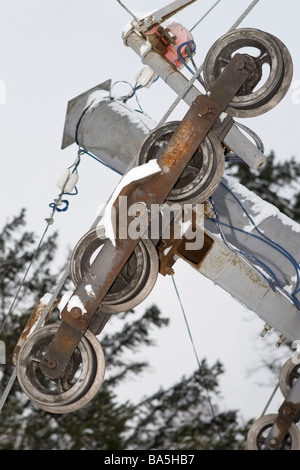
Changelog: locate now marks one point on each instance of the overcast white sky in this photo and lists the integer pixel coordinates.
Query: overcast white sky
(53, 50)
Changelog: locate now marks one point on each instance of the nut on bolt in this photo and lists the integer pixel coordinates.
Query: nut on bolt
(50, 363)
(203, 109)
(240, 64)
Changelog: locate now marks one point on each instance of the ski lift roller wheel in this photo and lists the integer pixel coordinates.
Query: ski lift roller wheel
(134, 282)
(80, 382)
(256, 97)
(289, 374)
(260, 430)
(203, 174)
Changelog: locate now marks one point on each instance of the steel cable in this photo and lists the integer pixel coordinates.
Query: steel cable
(197, 358)
(40, 323)
(205, 15)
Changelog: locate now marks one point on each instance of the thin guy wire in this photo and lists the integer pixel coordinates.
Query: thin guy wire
(24, 278)
(127, 9)
(189, 85)
(40, 323)
(205, 15)
(244, 15)
(270, 399)
(49, 222)
(196, 355)
(8, 388)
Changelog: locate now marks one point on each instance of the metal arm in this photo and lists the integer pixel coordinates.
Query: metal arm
(164, 13)
(159, 16)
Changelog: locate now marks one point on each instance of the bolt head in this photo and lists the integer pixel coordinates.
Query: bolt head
(273, 441)
(75, 312)
(203, 109)
(240, 64)
(50, 363)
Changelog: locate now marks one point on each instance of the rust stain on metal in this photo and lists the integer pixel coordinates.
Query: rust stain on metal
(254, 276)
(169, 250)
(287, 414)
(179, 144)
(31, 324)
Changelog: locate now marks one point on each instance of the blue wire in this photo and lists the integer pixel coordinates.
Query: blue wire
(83, 151)
(248, 255)
(269, 242)
(189, 50)
(138, 87)
(260, 262)
(271, 283)
(273, 244)
(55, 206)
(72, 194)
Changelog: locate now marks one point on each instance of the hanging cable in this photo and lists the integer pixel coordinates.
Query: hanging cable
(245, 254)
(127, 9)
(273, 281)
(273, 244)
(13, 376)
(243, 15)
(85, 152)
(197, 358)
(40, 323)
(49, 220)
(8, 388)
(190, 49)
(132, 94)
(86, 109)
(205, 15)
(270, 399)
(256, 138)
(25, 276)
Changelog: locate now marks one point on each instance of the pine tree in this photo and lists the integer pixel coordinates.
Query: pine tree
(276, 182)
(178, 418)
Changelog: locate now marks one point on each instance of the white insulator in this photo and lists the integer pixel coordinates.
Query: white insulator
(63, 178)
(145, 76)
(71, 183)
(67, 181)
